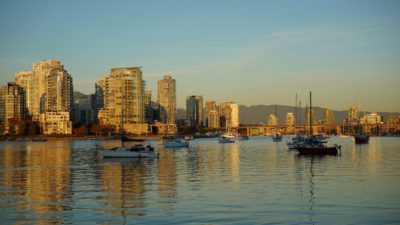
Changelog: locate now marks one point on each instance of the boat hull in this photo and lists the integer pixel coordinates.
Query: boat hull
(127, 154)
(317, 150)
(361, 139)
(176, 145)
(225, 141)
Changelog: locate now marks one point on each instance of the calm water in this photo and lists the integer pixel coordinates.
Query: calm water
(248, 182)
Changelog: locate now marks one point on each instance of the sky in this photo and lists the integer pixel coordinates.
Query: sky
(250, 52)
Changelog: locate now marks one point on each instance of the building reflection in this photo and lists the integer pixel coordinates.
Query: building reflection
(167, 181)
(123, 186)
(39, 175)
(234, 162)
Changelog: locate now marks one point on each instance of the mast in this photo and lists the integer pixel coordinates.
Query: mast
(295, 112)
(122, 118)
(310, 116)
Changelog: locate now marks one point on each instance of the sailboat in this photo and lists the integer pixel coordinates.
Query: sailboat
(227, 137)
(313, 146)
(138, 150)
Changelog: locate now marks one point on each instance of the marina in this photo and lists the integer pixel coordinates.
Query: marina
(247, 182)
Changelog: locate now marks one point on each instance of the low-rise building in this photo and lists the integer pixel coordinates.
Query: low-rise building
(55, 123)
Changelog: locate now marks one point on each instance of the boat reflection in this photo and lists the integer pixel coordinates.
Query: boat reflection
(123, 186)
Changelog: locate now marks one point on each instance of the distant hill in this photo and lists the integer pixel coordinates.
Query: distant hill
(257, 114)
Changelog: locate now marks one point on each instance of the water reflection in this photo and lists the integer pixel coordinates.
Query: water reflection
(37, 178)
(250, 182)
(167, 182)
(123, 186)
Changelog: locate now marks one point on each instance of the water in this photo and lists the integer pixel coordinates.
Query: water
(248, 182)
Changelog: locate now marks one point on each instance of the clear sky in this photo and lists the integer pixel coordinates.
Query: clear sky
(250, 52)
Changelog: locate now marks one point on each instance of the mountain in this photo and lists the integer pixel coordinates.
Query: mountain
(257, 114)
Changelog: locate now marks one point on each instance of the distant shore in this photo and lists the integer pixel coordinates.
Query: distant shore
(29, 138)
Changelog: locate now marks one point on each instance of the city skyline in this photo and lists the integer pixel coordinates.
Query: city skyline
(345, 52)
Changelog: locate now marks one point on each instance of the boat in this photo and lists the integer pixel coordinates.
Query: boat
(136, 151)
(312, 145)
(298, 139)
(175, 142)
(224, 140)
(139, 150)
(124, 138)
(39, 139)
(277, 137)
(361, 138)
(188, 137)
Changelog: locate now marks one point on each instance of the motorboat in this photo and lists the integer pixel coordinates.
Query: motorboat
(361, 138)
(224, 140)
(136, 151)
(277, 137)
(175, 142)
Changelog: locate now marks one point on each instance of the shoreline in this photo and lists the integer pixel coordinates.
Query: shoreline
(52, 138)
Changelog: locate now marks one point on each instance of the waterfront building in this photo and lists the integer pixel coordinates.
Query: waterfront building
(213, 119)
(97, 99)
(24, 80)
(148, 107)
(329, 118)
(229, 114)
(166, 99)
(194, 110)
(371, 119)
(41, 71)
(352, 114)
(57, 102)
(210, 105)
(272, 120)
(59, 91)
(55, 123)
(289, 119)
(12, 106)
(123, 99)
(313, 117)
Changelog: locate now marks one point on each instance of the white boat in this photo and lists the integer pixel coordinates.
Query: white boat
(228, 135)
(298, 139)
(136, 151)
(175, 143)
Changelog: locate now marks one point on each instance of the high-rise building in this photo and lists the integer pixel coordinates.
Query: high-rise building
(97, 99)
(194, 110)
(210, 105)
(352, 114)
(229, 114)
(289, 119)
(166, 100)
(41, 71)
(329, 118)
(313, 117)
(24, 79)
(213, 119)
(272, 120)
(123, 98)
(12, 105)
(58, 95)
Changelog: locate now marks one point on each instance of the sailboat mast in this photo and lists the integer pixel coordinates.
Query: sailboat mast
(310, 115)
(122, 117)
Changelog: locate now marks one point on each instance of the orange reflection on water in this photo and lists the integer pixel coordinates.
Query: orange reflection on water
(40, 172)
